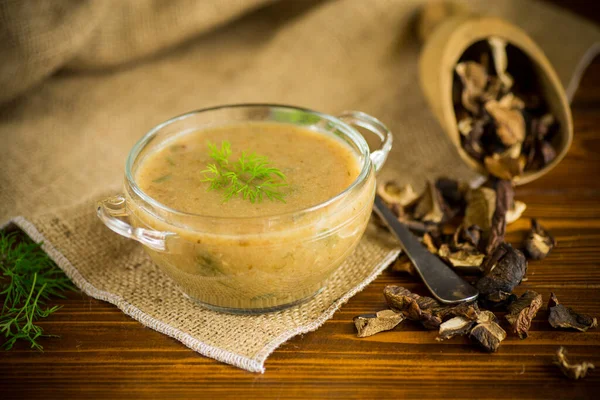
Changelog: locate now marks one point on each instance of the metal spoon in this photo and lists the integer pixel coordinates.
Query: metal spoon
(444, 284)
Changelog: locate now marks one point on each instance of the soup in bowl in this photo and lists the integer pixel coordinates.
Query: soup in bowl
(250, 208)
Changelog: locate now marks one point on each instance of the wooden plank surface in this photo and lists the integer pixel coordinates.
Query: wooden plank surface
(103, 353)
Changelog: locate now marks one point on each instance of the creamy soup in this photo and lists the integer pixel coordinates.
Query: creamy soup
(317, 167)
(239, 255)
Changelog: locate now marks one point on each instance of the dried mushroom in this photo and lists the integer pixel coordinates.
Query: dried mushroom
(481, 203)
(400, 299)
(468, 260)
(565, 317)
(498, 300)
(466, 310)
(538, 242)
(509, 123)
(571, 371)
(370, 324)
(504, 270)
(515, 212)
(420, 214)
(431, 207)
(488, 335)
(466, 237)
(465, 126)
(393, 194)
(503, 166)
(413, 306)
(472, 141)
(428, 242)
(504, 200)
(512, 102)
(475, 79)
(486, 316)
(537, 147)
(452, 191)
(403, 264)
(498, 47)
(457, 326)
(522, 311)
(481, 206)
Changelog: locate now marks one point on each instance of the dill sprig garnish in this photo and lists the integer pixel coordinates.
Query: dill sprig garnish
(28, 279)
(252, 177)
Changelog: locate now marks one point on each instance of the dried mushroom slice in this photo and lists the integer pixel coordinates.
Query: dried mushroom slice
(427, 240)
(504, 271)
(472, 141)
(539, 150)
(565, 317)
(481, 206)
(465, 126)
(431, 207)
(466, 310)
(467, 237)
(403, 264)
(481, 203)
(465, 259)
(413, 306)
(571, 371)
(504, 200)
(370, 324)
(509, 123)
(488, 335)
(498, 300)
(486, 316)
(522, 311)
(504, 166)
(457, 326)
(511, 101)
(546, 152)
(392, 193)
(538, 242)
(452, 191)
(515, 212)
(545, 122)
(474, 78)
(498, 47)
(400, 298)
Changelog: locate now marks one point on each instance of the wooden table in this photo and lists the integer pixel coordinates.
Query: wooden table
(102, 352)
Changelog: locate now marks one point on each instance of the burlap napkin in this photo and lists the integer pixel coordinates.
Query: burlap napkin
(63, 143)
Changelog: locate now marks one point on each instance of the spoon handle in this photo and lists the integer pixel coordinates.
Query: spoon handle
(445, 285)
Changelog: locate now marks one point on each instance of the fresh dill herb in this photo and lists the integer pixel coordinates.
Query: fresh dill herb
(252, 177)
(170, 160)
(162, 178)
(28, 279)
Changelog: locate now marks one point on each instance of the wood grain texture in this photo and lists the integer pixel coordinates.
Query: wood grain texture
(103, 353)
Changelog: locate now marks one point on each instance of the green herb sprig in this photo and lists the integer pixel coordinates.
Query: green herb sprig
(252, 177)
(28, 279)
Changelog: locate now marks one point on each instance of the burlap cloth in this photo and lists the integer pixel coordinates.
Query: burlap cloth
(81, 81)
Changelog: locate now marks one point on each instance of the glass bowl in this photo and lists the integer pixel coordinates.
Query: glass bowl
(259, 264)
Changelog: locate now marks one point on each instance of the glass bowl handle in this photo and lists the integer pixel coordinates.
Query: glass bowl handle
(112, 209)
(373, 125)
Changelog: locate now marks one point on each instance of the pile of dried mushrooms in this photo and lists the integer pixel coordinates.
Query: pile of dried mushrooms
(506, 126)
(504, 122)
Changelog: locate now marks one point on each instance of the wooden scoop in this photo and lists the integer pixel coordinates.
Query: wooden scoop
(446, 43)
